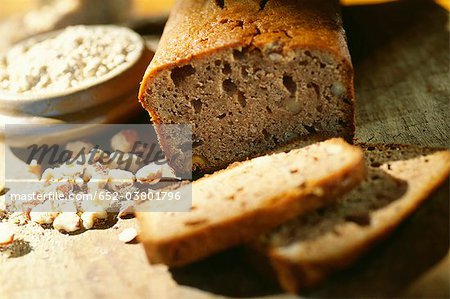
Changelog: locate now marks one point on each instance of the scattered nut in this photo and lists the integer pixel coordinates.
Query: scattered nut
(35, 168)
(124, 141)
(150, 174)
(167, 171)
(67, 221)
(128, 235)
(19, 218)
(95, 170)
(43, 214)
(119, 179)
(69, 170)
(6, 233)
(2, 205)
(126, 208)
(48, 176)
(89, 217)
(79, 181)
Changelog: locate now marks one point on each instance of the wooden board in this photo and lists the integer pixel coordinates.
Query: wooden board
(400, 53)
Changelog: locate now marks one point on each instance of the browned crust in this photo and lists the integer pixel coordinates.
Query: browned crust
(195, 30)
(298, 24)
(286, 205)
(296, 276)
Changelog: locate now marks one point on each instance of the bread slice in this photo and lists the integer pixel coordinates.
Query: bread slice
(249, 75)
(306, 249)
(234, 205)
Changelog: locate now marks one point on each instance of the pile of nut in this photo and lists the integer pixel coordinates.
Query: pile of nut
(102, 182)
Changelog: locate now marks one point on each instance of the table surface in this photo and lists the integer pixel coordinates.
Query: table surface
(400, 54)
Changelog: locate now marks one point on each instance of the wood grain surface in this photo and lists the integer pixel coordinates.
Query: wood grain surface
(400, 53)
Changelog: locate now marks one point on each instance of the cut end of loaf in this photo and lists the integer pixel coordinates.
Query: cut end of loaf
(246, 101)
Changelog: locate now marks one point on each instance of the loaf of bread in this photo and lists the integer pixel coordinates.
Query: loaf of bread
(234, 205)
(306, 249)
(249, 76)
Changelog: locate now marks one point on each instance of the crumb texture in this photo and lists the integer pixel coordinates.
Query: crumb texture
(399, 179)
(250, 76)
(228, 208)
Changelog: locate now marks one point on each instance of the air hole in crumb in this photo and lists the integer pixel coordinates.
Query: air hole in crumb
(229, 87)
(244, 72)
(370, 148)
(310, 129)
(262, 4)
(223, 21)
(226, 69)
(220, 3)
(290, 85)
(221, 116)
(179, 74)
(303, 62)
(315, 87)
(375, 164)
(347, 101)
(197, 143)
(197, 105)
(239, 23)
(342, 123)
(266, 134)
(307, 53)
(426, 160)
(241, 99)
(217, 62)
(238, 55)
(319, 108)
(269, 110)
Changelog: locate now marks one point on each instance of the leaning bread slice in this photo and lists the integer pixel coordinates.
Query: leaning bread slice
(306, 249)
(231, 206)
